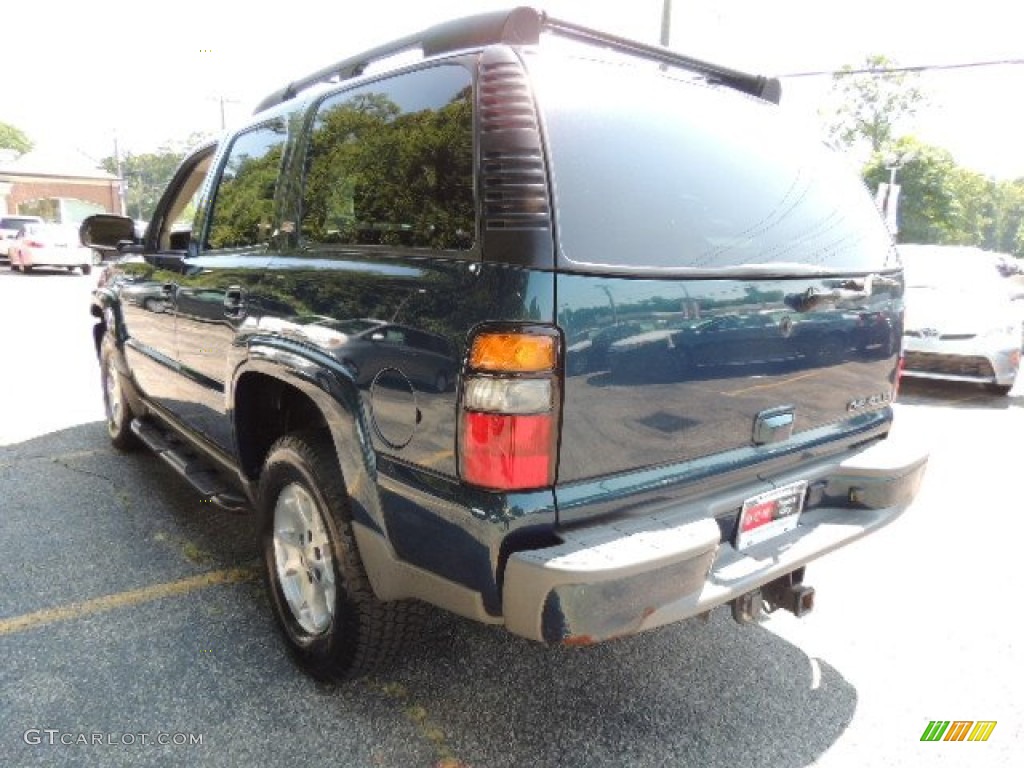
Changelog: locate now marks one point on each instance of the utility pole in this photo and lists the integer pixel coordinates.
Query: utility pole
(666, 21)
(222, 99)
(120, 177)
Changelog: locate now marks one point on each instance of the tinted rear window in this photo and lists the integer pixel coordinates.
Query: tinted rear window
(654, 172)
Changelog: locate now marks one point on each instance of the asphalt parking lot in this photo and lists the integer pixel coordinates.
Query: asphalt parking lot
(131, 618)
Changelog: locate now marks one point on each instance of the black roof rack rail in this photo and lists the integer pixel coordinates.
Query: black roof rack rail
(521, 26)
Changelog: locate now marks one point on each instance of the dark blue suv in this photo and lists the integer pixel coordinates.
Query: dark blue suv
(521, 218)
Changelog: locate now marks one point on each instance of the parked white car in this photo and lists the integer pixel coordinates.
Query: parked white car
(51, 245)
(963, 316)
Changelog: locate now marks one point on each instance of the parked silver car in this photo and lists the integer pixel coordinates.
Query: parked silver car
(963, 318)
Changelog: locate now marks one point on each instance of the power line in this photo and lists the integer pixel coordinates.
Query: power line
(897, 70)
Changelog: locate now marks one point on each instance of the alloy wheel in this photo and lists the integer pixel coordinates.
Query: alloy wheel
(303, 559)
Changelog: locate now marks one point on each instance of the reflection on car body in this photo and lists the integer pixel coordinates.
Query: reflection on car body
(752, 339)
(591, 353)
(367, 346)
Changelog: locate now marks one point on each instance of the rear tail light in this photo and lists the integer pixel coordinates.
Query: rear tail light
(509, 410)
(898, 375)
(34, 244)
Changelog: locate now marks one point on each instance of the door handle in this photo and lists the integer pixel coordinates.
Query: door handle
(234, 303)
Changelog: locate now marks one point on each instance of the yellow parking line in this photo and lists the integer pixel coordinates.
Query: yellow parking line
(774, 383)
(124, 599)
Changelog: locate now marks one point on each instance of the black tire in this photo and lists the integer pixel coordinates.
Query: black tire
(354, 632)
(86, 269)
(119, 412)
(999, 389)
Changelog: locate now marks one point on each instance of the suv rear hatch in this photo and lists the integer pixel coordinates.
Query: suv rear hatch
(728, 292)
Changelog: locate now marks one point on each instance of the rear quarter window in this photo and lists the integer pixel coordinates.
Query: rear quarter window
(391, 163)
(655, 173)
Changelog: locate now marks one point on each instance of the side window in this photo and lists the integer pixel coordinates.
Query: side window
(178, 218)
(391, 163)
(242, 214)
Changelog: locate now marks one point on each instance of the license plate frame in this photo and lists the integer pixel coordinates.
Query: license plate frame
(770, 514)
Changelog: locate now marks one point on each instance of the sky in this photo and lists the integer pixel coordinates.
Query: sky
(77, 74)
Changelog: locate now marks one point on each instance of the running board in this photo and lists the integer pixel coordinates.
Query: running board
(187, 463)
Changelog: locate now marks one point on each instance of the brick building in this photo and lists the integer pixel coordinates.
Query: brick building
(64, 188)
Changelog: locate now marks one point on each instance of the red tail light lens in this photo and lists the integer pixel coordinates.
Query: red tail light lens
(899, 375)
(508, 424)
(34, 244)
(507, 452)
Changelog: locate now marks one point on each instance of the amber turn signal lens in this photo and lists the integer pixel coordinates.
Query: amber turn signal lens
(512, 352)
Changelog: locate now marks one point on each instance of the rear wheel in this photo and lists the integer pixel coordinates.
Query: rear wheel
(322, 600)
(86, 269)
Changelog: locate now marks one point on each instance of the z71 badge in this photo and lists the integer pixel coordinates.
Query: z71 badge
(872, 401)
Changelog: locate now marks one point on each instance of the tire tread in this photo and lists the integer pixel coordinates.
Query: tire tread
(376, 632)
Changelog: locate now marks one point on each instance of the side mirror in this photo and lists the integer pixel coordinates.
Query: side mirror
(106, 232)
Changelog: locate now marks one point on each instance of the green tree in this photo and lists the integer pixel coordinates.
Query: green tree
(244, 206)
(1007, 230)
(376, 176)
(14, 139)
(929, 211)
(975, 204)
(869, 106)
(944, 203)
(146, 175)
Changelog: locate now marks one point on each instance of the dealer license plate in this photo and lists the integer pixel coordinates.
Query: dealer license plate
(770, 514)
